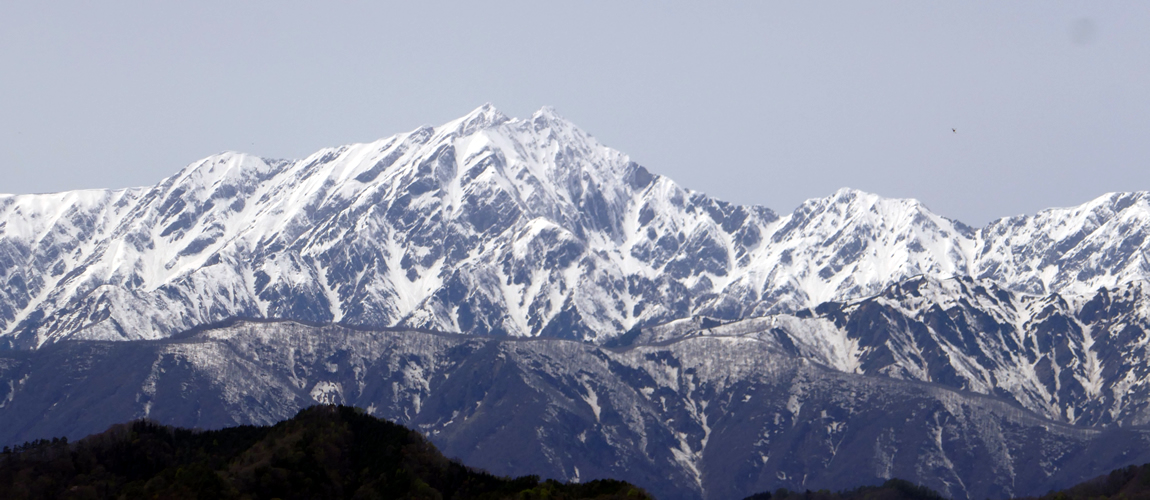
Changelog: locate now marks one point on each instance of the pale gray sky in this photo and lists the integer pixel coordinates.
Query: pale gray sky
(753, 102)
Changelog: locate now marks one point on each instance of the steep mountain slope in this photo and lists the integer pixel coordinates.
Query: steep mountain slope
(1076, 359)
(701, 417)
(492, 225)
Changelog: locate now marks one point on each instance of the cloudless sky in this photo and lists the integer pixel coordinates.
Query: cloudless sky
(764, 103)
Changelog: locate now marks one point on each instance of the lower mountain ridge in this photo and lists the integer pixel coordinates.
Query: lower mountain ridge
(701, 415)
(324, 452)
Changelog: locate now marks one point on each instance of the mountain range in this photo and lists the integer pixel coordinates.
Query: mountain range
(536, 303)
(492, 225)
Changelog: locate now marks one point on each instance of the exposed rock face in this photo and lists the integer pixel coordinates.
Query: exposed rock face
(492, 225)
(1076, 359)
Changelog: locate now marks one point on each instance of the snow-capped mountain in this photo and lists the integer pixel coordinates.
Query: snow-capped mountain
(733, 350)
(493, 225)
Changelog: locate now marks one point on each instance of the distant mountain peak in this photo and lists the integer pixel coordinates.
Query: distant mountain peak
(493, 225)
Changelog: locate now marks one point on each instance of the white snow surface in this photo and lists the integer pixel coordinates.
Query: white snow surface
(494, 225)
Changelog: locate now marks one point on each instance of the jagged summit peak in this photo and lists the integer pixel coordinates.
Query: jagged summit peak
(546, 117)
(1112, 203)
(547, 113)
(850, 200)
(846, 196)
(480, 118)
(1118, 201)
(220, 166)
(851, 194)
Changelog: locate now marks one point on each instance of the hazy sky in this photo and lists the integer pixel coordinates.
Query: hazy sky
(753, 102)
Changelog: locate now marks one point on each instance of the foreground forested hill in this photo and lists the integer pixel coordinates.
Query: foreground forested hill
(324, 452)
(340, 452)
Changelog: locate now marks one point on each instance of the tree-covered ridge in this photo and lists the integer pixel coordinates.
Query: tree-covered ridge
(324, 452)
(1130, 483)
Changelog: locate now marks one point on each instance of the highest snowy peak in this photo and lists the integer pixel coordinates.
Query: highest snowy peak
(496, 225)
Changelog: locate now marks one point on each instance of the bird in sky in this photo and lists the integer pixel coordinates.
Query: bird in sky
(954, 130)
